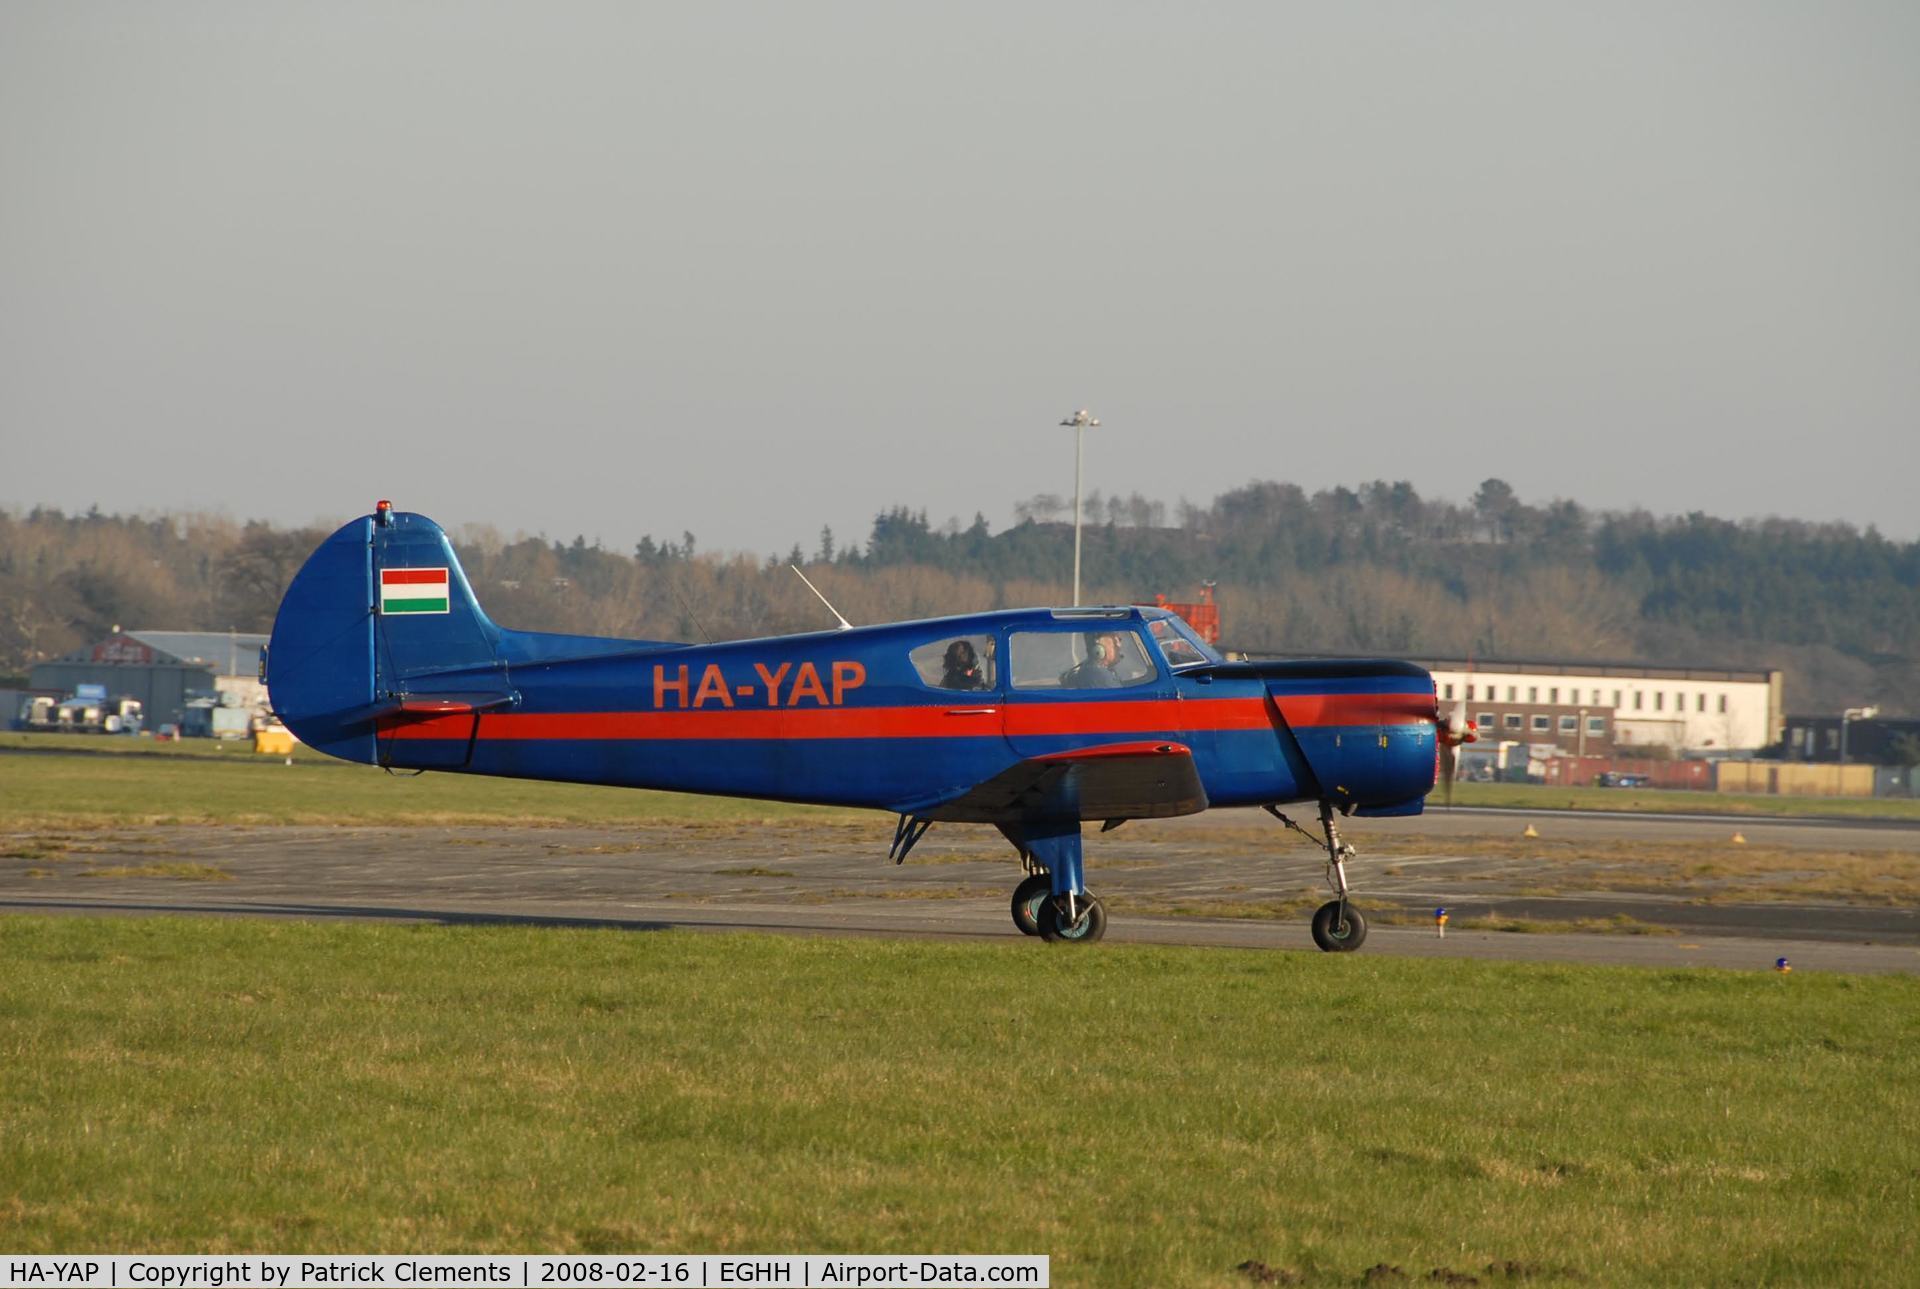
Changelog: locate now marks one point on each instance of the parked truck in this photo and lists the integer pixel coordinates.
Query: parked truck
(88, 711)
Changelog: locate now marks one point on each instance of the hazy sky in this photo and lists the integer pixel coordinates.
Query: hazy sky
(739, 269)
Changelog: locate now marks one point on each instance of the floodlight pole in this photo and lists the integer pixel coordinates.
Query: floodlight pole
(1080, 420)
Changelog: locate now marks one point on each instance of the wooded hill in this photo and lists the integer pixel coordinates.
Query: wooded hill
(1377, 569)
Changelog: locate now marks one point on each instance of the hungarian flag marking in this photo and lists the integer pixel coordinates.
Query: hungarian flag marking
(414, 590)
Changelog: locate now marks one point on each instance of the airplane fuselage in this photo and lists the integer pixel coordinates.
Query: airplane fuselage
(845, 718)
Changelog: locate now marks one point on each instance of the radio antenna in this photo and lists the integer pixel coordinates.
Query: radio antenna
(844, 624)
(673, 584)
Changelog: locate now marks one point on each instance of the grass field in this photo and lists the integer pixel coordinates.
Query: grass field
(110, 781)
(120, 745)
(145, 785)
(1145, 1116)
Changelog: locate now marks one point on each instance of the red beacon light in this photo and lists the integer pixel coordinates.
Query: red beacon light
(383, 513)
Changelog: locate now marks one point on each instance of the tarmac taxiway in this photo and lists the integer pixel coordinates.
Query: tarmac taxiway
(1673, 891)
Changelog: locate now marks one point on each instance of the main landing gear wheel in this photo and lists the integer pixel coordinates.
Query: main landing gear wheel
(1338, 933)
(1089, 926)
(1027, 899)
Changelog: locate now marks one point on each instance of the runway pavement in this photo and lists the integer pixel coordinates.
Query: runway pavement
(1190, 881)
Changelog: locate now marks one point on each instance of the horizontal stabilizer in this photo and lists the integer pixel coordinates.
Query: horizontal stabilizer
(425, 705)
(420, 707)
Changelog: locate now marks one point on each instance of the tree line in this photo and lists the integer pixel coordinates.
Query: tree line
(1372, 569)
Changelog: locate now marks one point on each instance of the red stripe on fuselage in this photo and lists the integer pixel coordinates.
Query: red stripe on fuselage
(413, 576)
(1019, 720)
(1305, 711)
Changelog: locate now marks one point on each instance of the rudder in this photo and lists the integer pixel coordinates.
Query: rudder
(380, 613)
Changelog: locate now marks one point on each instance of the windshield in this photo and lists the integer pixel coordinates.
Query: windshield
(1180, 645)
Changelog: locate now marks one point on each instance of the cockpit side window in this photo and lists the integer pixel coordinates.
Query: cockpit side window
(960, 663)
(1101, 659)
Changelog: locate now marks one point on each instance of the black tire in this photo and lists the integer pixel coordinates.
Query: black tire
(1027, 899)
(1092, 923)
(1334, 936)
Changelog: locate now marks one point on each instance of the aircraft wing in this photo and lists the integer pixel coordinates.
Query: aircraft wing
(1113, 781)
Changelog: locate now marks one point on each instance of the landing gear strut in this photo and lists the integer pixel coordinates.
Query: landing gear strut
(1338, 927)
(1053, 902)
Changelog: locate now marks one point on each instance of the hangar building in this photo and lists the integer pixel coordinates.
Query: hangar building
(1878, 740)
(163, 669)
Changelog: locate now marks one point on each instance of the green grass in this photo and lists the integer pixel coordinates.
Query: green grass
(123, 745)
(1533, 796)
(1146, 1116)
(80, 791)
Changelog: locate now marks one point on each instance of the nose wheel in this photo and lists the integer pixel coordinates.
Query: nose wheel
(1338, 927)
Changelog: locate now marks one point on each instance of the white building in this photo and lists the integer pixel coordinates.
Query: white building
(1614, 707)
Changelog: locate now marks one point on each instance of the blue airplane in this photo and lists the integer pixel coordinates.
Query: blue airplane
(1033, 720)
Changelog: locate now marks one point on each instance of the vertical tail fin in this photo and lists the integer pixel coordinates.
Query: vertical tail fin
(379, 612)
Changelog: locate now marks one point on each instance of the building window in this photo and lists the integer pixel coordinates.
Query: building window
(1616, 700)
(1553, 695)
(1597, 725)
(1679, 701)
(1700, 702)
(1833, 740)
(1485, 722)
(1723, 704)
(1596, 699)
(1533, 693)
(1568, 724)
(1541, 724)
(1469, 693)
(1449, 693)
(1513, 693)
(1659, 700)
(1513, 720)
(1636, 700)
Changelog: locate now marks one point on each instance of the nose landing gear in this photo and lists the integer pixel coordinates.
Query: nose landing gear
(1338, 927)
